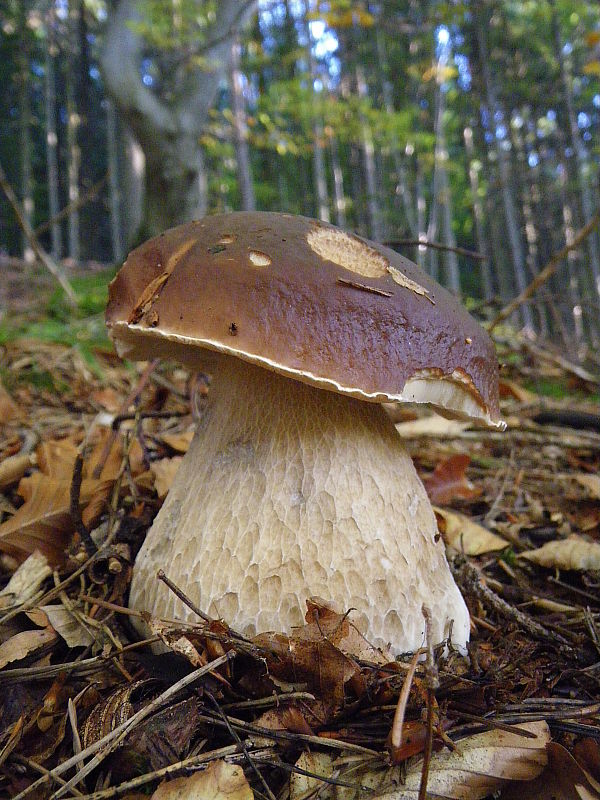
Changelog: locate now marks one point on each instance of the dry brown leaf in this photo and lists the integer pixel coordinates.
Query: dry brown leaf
(68, 626)
(466, 536)
(563, 779)
(24, 643)
(449, 481)
(303, 786)
(164, 471)
(219, 781)
(432, 425)
(26, 581)
(44, 521)
(179, 442)
(13, 468)
(512, 390)
(9, 410)
(575, 552)
(589, 482)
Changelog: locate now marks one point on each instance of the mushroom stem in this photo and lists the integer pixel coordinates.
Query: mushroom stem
(288, 492)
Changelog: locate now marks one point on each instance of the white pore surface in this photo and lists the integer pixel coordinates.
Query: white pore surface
(288, 492)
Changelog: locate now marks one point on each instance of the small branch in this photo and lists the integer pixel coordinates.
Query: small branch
(461, 251)
(73, 206)
(432, 682)
(37, 248)
(363, 287)
(546, 273)
(75, 511)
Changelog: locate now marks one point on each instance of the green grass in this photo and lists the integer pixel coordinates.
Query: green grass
(56, 321)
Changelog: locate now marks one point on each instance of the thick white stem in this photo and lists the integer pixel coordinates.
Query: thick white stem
(289, 492)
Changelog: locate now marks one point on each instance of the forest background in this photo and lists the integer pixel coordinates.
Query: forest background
(470, 124)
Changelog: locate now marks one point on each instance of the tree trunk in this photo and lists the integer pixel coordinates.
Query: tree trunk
(168, 128)
(581, 155)
(52, 138)
(114, 183)
(504, 176)
(74, 163)
(368, 150)
(487, 284)
(338, 182)
(25, 134)
(318, 160)
(240, 128)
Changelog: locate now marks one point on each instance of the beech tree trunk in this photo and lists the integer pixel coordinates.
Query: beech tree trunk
(52, 138)
(368, 150)
(168, 127)
(240, 129)
(25, 135)
(487, 284)
(510, 211)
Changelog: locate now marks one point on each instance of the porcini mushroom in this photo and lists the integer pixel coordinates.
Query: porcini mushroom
(296, 483)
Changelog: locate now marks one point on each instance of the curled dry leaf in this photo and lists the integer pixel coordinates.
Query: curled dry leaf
(482, 764)
(449, 481)
(44, 521)
(466, 536)
(26, 581)
(562, 779)
(24, 643)
(219, 781)
(164, 471)
(589, 482)
(575, 552)
(67, 625)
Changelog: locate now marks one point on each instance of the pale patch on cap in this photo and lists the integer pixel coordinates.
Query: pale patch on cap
(348, 252)
(259, 259)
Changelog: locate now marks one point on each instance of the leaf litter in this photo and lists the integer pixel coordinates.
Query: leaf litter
(90, 711)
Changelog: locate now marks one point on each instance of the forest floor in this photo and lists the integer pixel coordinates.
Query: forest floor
(88, 448)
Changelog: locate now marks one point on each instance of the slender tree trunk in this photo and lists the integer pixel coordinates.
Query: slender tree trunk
(510, 211)
(52, 138)
(25, 133)
(581, 155)
(487, 284)
(338, 182)
(240, 128)
(401, 192)
(318, 159)
(368, 150)
(167, 126)
(114, 184)
(74, 163)
(421, 213)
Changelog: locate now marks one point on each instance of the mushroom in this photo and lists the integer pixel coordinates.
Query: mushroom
(296, 483)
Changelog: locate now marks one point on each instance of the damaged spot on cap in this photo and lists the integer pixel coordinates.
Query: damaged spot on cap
(227, 238)
(259, 259)
(401, 279)
(348, 252)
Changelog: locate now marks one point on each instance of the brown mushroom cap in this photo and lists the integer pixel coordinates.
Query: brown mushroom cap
(309, 301)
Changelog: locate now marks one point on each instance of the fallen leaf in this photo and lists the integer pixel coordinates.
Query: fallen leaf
(303, 786)
(13, 468)
(219, 781)
(164, 471)
(574, 552)
(466, 536)
(9, 410)
(68, 626)
(562, 779)
(589, 482)
(26, 581)
(44, 521)
(179, 442)
(432, 425)
(24, 643)
(449, 481)
(512, 390)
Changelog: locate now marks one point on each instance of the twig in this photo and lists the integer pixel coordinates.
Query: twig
(182, 596)
(546, 273)
(113, 739)
(235, 735)
(433, 683)
(364, 287)
(75, 511)
(37, 248)
(461, 251)
(397, 724)
(85, 198)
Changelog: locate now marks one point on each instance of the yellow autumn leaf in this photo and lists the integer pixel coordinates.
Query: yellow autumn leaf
(592, 68)
(219, 781)
(575, 552)
(466, 536)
